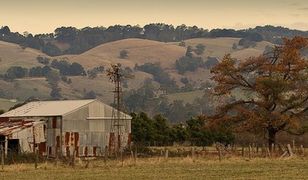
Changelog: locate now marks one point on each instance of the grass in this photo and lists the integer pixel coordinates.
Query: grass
(172, 168)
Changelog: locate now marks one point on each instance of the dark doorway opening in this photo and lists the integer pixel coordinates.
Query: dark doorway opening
(13, 146)
(2, 140)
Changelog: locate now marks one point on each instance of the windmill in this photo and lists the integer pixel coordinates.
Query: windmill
(116, 75)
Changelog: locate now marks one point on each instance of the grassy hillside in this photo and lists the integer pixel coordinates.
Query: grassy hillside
(13, 55)
(186, 97)
(140, 51)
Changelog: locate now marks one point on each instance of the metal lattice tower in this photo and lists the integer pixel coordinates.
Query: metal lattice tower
(115, 76)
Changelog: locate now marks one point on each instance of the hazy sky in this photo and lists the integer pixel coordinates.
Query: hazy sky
(38, 16)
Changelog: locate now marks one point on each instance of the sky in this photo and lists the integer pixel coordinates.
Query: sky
(43, 16)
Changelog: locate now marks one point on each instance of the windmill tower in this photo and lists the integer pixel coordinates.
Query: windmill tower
(115, 76)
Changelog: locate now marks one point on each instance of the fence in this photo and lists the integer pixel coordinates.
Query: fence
(217, 151)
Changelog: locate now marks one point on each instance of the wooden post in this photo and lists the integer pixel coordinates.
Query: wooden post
(166, 154)
(219, 153)
(122, 158)
(290, 150)
(105, 154)
(5, 146)
(73, 158)
(249, 152)
(57, 157)
(268, 152)
(2, 156)
(273, 150)
(36, 156)
(243, 151)
(192, 152)
(131, 155)
(136, 154)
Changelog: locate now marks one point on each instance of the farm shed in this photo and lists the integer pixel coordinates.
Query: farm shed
(86, 127)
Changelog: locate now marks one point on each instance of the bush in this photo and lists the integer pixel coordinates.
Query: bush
(211, 62)
(123, 54)
(182, 44)
(16, 72)
(199, 49)
(43, 60)
(246, 43)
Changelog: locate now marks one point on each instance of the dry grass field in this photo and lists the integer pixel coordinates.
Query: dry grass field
(13, 55)
(160, 168)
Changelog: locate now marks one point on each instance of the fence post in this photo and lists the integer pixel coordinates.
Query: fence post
(268, 152)
(73, 158)
(192, 152)
(290, 150)
(243, 151)
(136, 154)
(122, 158)
(2, 156)
(36, 156)
(249, 152)
(105, 154)
(166, 154)
(219, 153)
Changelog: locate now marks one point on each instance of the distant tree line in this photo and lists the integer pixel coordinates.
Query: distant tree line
(80, 40)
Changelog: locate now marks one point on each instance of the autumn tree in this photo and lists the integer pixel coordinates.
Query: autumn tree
(277, 84)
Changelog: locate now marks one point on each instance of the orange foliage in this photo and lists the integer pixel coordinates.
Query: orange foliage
(278, 84)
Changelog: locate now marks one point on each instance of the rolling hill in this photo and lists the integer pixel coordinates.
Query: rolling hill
(140, 51)
(14, 55)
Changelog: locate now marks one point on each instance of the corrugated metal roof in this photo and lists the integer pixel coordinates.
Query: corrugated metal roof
(7, 128)
(47, 108)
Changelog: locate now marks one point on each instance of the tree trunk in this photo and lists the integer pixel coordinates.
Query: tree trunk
(271, 138)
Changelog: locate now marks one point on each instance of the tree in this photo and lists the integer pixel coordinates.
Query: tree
(53, 79)
(16, 72)
(90, 95)
(42, 60)
(199, 49)
(211, 62)
(123, 54)
(187, 63)
(278, 86)
(189, 51)
(234, 46)
(142, 128)
(182, 44)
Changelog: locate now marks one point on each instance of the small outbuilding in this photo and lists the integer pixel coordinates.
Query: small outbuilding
(83, 127)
